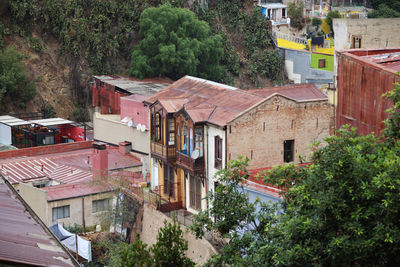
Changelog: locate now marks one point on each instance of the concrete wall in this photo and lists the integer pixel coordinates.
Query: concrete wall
(36, 198)
(199, 250)
(299, 69)
(110, 129)
(374, 33)
(75, 210)
(259, 134)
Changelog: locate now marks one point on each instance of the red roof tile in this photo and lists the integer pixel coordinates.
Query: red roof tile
(22, 239)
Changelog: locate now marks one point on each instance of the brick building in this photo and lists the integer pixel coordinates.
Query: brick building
(199, 125)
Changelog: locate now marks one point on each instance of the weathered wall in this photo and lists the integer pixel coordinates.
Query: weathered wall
(134, 109)
(199, 250)
(105, 127)
(75, 210)
(259, 134)
(360, 88)
(374, 33)
(36, 198)
(315, 57)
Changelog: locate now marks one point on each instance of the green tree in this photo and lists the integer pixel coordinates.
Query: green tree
(14, 79)
(295, 13)
(330, 16)
(316, 22)
(170, 248)
(384, 11)
(343, 210)
(174, 44)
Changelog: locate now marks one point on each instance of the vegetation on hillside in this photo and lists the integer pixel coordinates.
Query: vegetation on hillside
(343, 210)
(15, 82)
(385, 9)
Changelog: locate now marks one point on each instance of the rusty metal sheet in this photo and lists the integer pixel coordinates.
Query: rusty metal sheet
(22, 238)
(363, 77)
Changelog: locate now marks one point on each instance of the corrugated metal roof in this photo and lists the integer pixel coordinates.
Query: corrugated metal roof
(66, 191)
(298, 92)
(22, 239)
(390, 60)
(51, 121)
(12, 121)
(132, 85)
(207, 101)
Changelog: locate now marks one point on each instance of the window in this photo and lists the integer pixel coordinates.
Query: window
(171, 130)
(100, 205)
(356, 42)
(218, 153)
(198, 140)
(321, 63)
(195, 192)
(169, 180)
(60, 212)
(158, 127)
(288, 150)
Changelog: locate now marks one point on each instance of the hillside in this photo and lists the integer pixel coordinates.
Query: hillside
(66, 42)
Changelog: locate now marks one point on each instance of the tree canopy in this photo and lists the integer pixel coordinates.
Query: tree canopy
(343, 210)
(176, 43)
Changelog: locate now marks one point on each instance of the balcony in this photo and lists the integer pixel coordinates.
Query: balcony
(186, 162)
(166, 153)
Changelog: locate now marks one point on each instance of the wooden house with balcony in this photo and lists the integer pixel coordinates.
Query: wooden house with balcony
(199, 125)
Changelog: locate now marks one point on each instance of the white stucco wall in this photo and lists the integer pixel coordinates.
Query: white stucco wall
(110, 129)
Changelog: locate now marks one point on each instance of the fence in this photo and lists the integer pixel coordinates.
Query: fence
(291, 38)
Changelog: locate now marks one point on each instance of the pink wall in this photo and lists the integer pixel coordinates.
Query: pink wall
(132, 106)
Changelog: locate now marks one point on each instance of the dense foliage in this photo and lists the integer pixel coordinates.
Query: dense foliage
(384, 9)
(330, 16)
(99, 30)
(176, 43)
(169, 250)
(343, 210)
(295, 13)
(14, 79)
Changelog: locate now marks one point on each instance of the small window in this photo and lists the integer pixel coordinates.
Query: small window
(60, 213)
(356, 42)
(218, 152)
(100, 205)
(288, 150)
(171, 130)
(321, 63)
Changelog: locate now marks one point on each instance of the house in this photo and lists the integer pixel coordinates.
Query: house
(198, 125)
(366, 33)
(69, 183)
(24, 239)
(119, 102)
(363, 76)
(275, 11)
(312, 65)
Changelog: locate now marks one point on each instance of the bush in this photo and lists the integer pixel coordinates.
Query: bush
(35, 44)
(80, 114)
(268, 64)
(330, 16)
(295, 12)
(14, 80)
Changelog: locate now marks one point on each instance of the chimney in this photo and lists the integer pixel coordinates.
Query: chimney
(100, 161)
(124, 147)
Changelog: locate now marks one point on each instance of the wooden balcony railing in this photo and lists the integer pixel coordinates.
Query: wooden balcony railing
(167, 153)
(187, 162)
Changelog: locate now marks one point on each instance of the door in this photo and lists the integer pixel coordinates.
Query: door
(154, 174)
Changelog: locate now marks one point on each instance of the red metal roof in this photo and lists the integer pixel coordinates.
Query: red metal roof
(22, 239)
(68, 167)
(298, 92)
(66, 191)
(207, 101)
(389, 60)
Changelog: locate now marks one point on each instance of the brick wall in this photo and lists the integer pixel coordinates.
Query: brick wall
(43, 150)
(259, 134)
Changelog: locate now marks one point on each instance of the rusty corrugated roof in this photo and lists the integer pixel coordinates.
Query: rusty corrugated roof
(132, 85)
(298, 92)
(207, 101)
(23, 240)
(66, 191)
